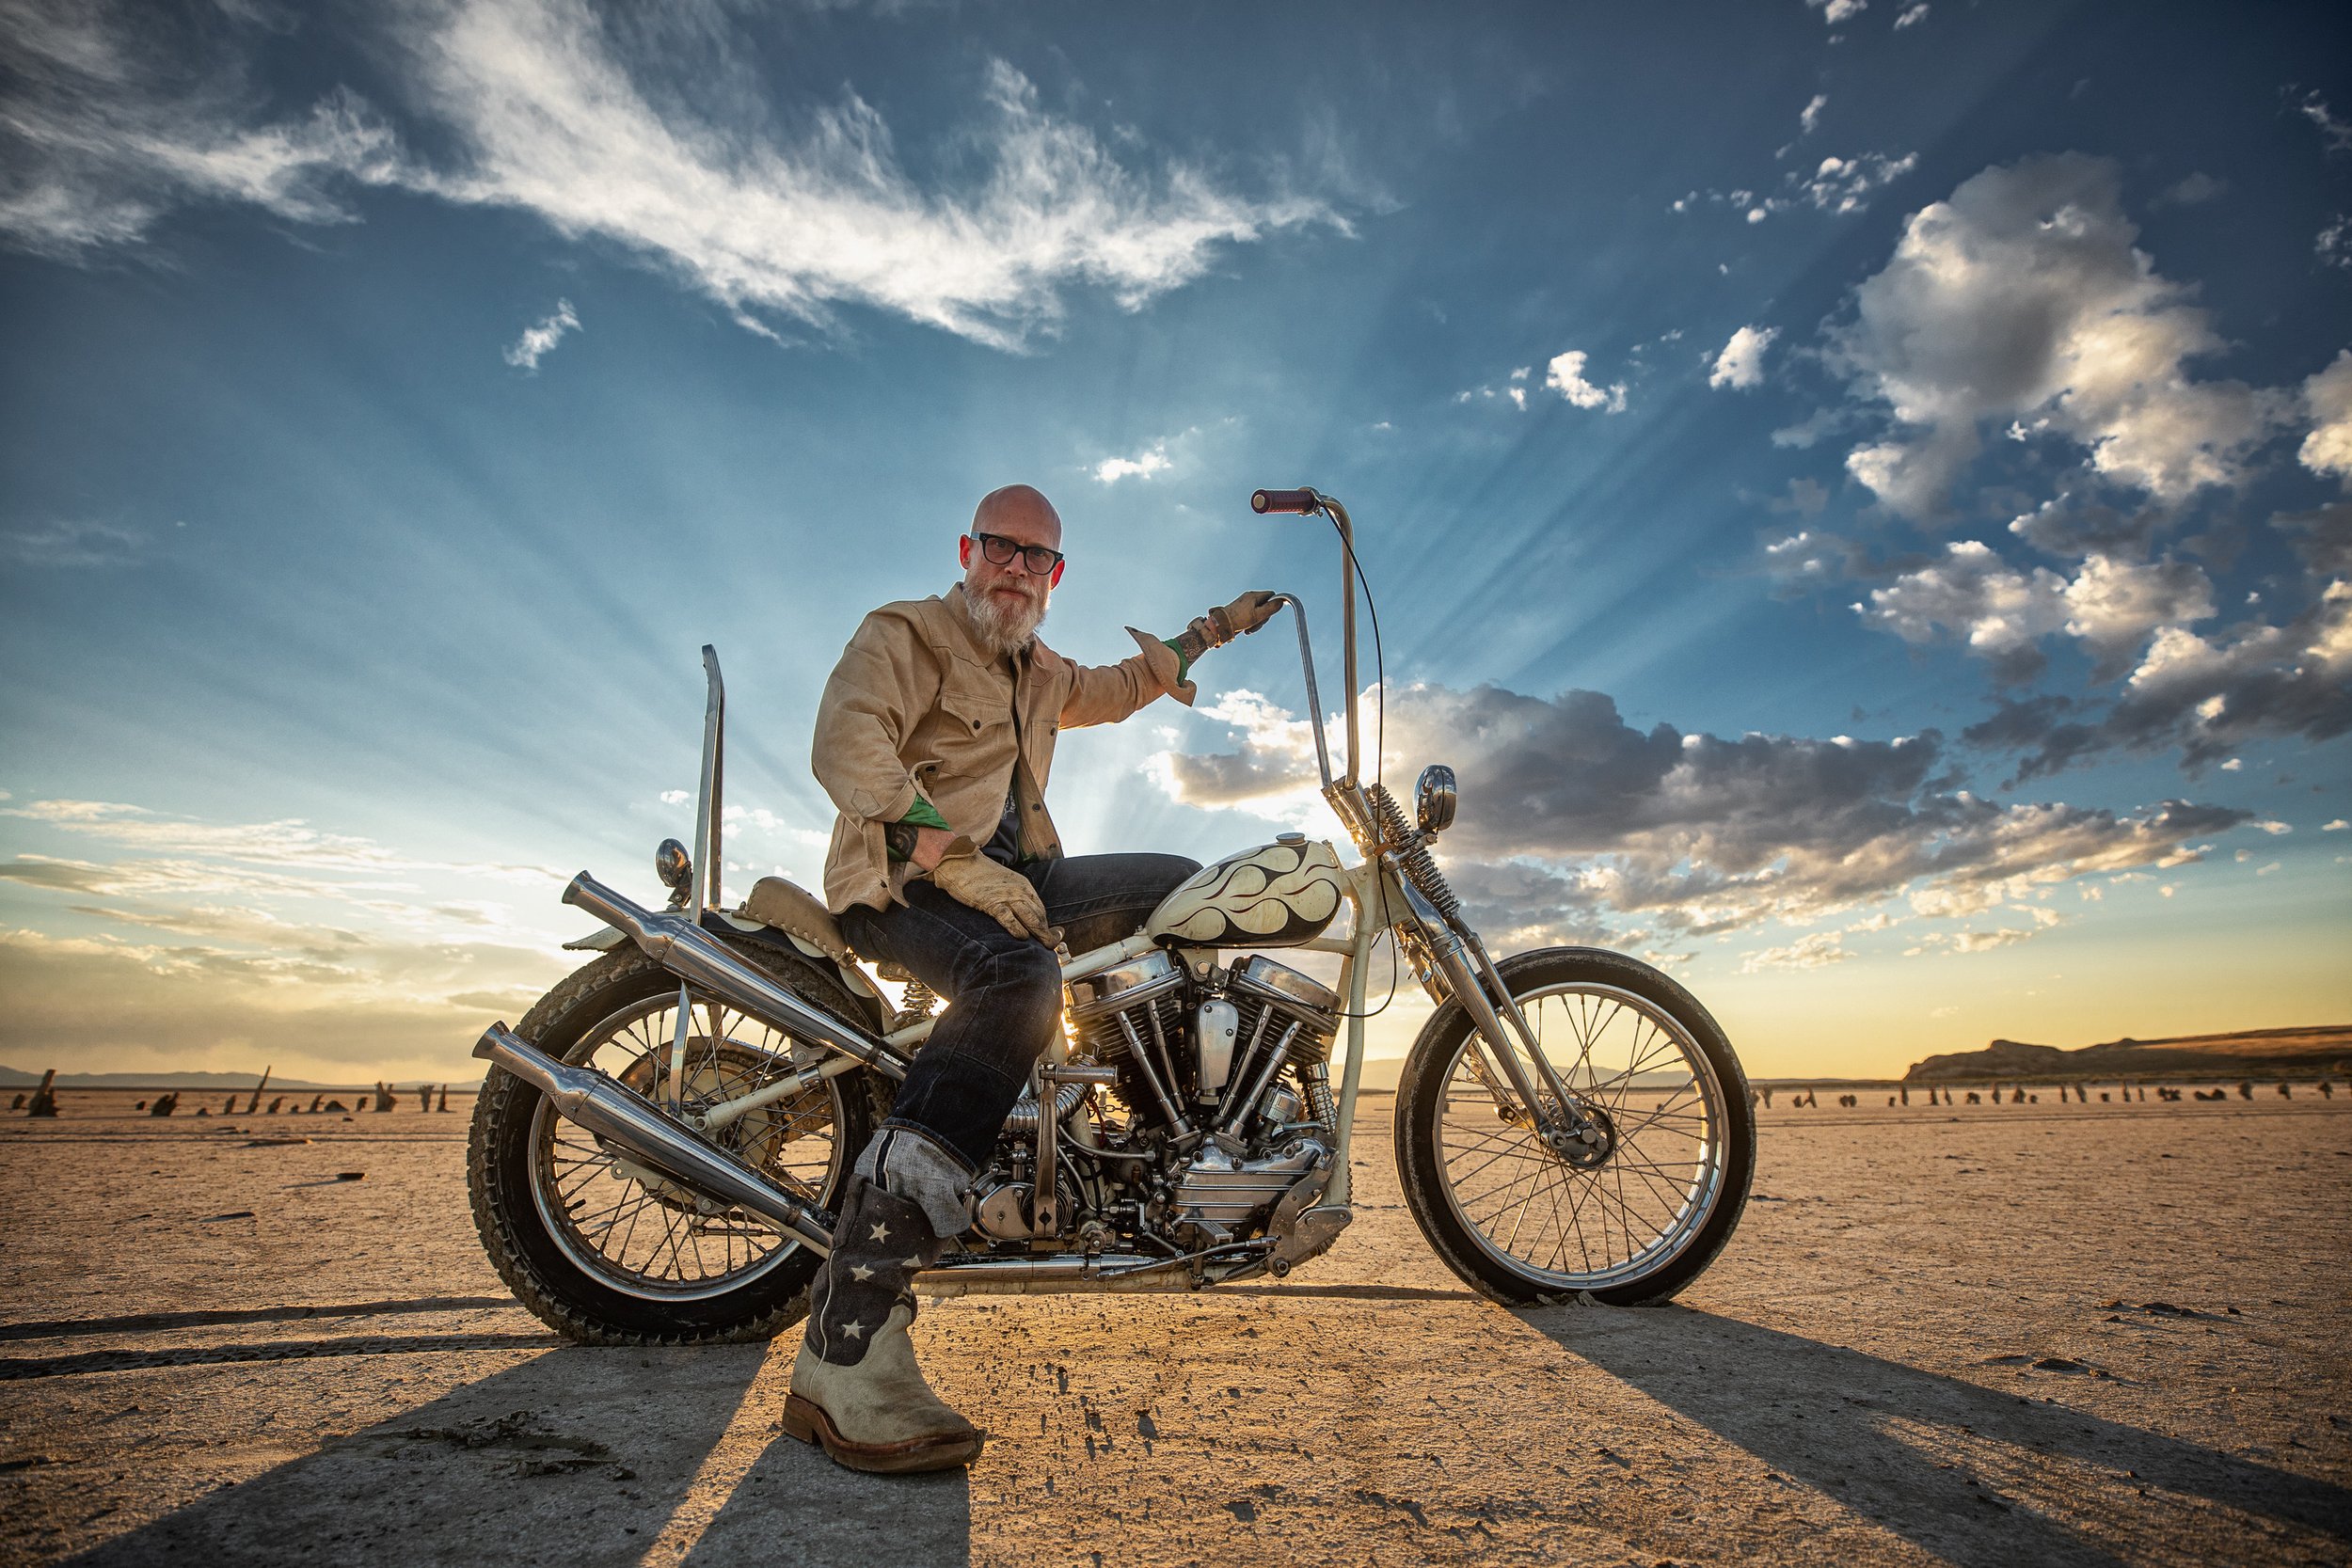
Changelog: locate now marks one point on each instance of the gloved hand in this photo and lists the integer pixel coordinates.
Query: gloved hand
(1244, 615)
(998, 892)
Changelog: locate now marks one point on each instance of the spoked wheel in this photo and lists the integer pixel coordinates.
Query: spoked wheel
(1633, 1215)
(610, 1252)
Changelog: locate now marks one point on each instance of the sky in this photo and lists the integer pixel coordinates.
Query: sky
(1857, 489)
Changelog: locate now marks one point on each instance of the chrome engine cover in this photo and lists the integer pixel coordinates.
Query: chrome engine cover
(1226, 1192)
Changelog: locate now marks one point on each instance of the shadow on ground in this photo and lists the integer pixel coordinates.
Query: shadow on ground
(579, 1457)
(1981, 1478)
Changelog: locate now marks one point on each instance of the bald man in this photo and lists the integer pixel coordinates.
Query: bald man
(934, 738)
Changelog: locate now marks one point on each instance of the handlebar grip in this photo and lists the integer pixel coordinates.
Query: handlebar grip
(1301, 501)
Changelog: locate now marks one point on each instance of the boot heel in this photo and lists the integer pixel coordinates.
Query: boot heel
(802, 1420)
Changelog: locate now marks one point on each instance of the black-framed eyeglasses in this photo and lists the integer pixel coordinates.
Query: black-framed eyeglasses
(1000, 550)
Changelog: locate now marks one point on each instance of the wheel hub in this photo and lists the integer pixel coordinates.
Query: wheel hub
(1584, 1147)
(750, 1139)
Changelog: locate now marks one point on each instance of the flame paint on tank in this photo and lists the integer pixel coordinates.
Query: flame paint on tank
(1275, 896)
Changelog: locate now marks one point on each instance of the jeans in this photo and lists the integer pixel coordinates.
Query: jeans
(1004, 993)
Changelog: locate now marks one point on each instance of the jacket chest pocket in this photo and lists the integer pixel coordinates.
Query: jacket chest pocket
(973, 722)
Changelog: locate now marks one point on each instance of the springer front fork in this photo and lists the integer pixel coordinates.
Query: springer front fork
(1568, 1124)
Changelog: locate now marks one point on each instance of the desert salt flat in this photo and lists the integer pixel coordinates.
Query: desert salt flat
(1979, 1335)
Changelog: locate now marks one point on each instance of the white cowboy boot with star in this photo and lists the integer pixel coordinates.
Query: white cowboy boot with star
(856, 1390)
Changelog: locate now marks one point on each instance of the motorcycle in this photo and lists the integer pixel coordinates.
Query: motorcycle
(656, 1147)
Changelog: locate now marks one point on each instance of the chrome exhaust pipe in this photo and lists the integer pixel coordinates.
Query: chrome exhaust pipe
(1039, 1276)
(653, 1137)
(694, 955)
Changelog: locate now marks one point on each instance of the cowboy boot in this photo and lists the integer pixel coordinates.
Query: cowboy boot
(856, 1390)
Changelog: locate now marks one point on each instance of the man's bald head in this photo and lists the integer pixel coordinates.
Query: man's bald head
(1019, 511)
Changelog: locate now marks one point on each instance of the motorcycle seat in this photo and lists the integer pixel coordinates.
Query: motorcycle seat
(796, 912)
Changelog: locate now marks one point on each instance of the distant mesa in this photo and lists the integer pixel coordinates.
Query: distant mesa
(2321, 1048)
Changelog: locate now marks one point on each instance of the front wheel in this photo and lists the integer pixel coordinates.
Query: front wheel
(1633, 1221)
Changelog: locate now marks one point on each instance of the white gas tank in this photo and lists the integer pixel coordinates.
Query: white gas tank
(1276, 896)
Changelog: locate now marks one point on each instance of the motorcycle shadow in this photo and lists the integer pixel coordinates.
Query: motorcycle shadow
(577, 1457)
(1983, 1477)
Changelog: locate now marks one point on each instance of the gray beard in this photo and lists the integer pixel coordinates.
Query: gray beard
(1003, 631)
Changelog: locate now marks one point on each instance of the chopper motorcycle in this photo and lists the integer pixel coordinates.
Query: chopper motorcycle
(656, 1149)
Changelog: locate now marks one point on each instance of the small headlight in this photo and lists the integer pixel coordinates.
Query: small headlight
(672, 864)
(1434, 797)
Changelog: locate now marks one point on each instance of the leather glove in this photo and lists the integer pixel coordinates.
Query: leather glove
(1244, 615)
(998, 892)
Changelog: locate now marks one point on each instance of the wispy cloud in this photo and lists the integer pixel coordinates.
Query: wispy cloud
(2334, 134)
(543, 114)
(73, 543)
(1835, 11)
(114, 114)
(541, 337)
(1812, 951)
(1911, 15)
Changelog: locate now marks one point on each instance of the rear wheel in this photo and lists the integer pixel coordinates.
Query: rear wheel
(608, 1252)
(1632, 1221)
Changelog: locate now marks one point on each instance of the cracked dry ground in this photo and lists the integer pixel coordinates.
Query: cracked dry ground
(1989, 1336)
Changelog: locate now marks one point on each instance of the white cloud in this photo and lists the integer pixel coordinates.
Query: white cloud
(1846, 184)
(1808, 952)
(1835, 11)
(1912, 14)
(2328, 402)
(2337, 826)
(1740, 365)
(1566, 376)
(541, 115)
(1143, 465)
(2112, 605)
(2023, 296)
(1972, 591)
(526, 352)
(1810, 115)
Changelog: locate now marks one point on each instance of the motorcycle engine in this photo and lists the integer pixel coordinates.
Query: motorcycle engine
(1223, 1106)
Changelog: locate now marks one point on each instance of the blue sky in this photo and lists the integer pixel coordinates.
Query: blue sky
(1855, 489)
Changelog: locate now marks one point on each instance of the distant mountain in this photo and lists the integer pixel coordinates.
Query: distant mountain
(2321, 1048)
(16, 1078)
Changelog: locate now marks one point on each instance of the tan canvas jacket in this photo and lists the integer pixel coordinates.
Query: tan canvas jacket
(918, 706)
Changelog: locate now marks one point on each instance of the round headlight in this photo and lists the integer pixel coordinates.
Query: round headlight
(672, 865)
(1434, 797)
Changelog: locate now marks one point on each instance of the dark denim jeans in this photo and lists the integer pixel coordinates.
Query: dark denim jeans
(1004, 993)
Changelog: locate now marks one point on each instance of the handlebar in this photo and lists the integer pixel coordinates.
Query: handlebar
(1304, 503)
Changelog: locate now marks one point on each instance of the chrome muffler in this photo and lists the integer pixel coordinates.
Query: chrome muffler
(694, 955)
(653, 1137)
